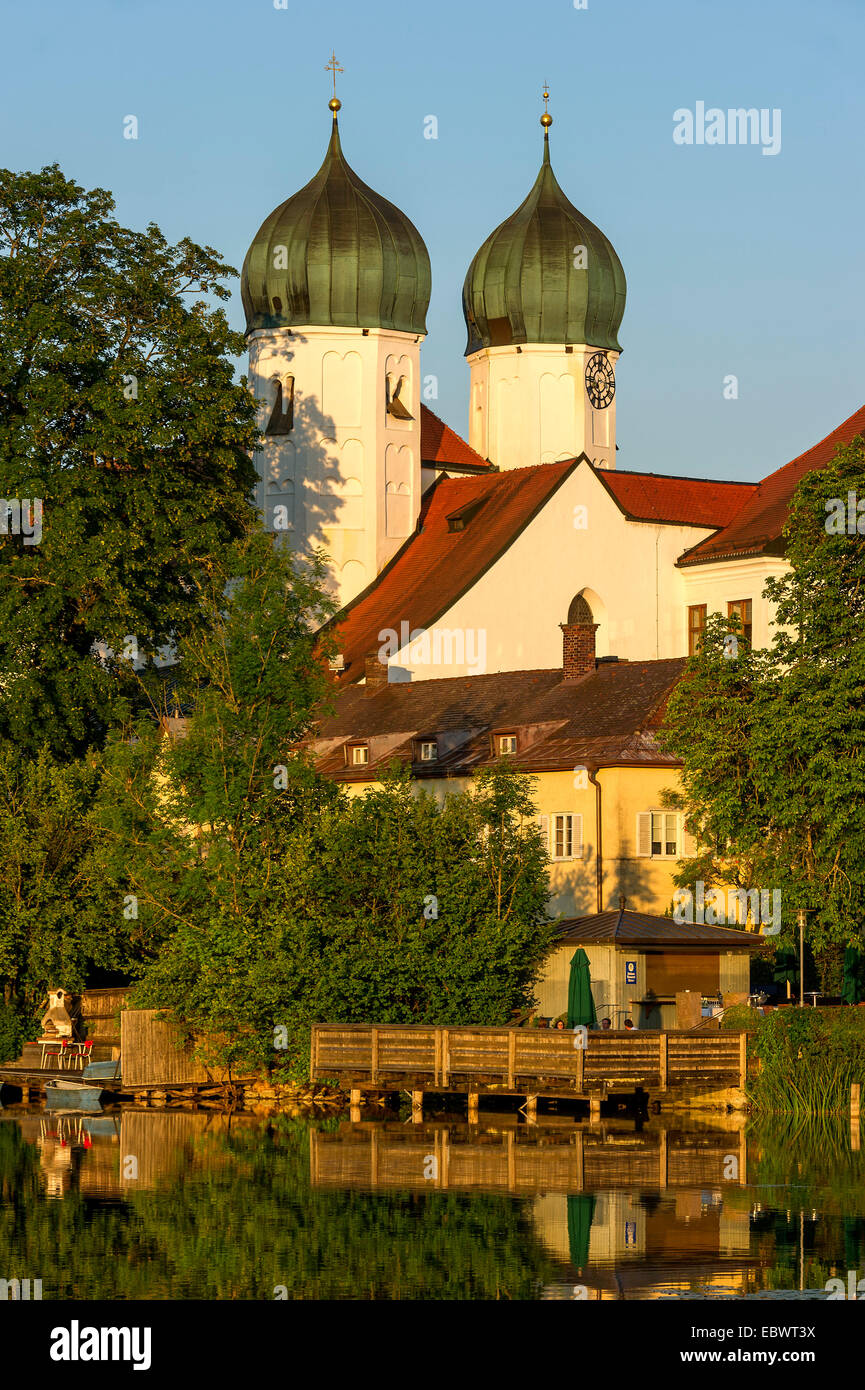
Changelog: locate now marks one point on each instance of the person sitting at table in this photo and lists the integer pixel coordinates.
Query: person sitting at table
(605, 1023)
(629, 1023)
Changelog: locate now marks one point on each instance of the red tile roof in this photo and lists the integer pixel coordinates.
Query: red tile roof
(436, 566)
(757, 528)
(605, 719)
(441, 446)
(682, 501)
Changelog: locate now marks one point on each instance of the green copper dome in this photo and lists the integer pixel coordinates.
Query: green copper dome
(524, 287)
(337, 253)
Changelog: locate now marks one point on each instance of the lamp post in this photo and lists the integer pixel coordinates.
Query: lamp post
(801, 914)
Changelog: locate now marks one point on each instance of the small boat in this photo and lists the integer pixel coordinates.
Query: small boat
(72, 1095)
(102, 1071)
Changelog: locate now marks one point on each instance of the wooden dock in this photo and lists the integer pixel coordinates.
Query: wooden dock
(528, 1062)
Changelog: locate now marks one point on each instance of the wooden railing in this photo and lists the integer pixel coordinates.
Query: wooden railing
(454, 1057)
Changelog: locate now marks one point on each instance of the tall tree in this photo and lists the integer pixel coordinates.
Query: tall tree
(773, 742)
(195, 811)
(120, 414)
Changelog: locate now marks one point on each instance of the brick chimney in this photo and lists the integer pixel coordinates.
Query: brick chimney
(578, 640)
(375, 673)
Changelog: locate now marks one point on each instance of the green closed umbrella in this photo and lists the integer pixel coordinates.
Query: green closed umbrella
(581, 1005)
(786, 966)
(853, 980)
(581, 1209)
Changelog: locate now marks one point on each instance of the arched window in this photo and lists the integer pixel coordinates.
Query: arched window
(579, 611)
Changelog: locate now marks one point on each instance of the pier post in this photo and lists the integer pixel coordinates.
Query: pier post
(594, 1107)
(531, 1110)
(473, 1107)
(355, 1099)
(417, 1107)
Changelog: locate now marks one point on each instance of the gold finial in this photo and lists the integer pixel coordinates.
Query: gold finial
(546, 118)
(333, 68)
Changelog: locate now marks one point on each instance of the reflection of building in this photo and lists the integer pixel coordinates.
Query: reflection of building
(645, 1244)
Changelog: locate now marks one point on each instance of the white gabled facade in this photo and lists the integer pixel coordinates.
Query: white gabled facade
(578, 543)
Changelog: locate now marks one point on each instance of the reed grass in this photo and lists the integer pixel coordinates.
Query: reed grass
(808, 1059)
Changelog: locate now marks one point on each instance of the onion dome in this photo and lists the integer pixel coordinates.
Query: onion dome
(339, 254)
(531, 282)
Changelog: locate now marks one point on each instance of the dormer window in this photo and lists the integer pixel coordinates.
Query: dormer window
(506, 744)
(459, 520)
(358, 754)
(428, 750)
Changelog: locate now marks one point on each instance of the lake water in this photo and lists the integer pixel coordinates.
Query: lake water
(174, 1205)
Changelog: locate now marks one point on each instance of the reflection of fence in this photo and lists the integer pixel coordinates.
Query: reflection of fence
(521, 1060)
(379, 1155)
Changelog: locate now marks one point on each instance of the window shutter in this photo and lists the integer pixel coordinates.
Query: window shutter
(644, 835)
(578, 837)
(544, 827)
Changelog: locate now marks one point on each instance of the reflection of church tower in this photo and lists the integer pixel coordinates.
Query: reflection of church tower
(336, 286)
(543, 300)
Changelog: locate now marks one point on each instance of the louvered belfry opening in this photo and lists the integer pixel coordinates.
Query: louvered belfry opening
(578, 640)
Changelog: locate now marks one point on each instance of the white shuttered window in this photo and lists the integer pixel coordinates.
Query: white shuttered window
(567, 836)
(659, 835)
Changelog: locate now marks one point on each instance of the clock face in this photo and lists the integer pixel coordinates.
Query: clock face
(600, 380)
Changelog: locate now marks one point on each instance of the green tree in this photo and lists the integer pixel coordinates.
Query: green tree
(55, 919)
(390, 907)
(773, 742)
(120, 414)
(197, 812)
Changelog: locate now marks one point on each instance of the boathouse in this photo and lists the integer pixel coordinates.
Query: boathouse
(639, 963)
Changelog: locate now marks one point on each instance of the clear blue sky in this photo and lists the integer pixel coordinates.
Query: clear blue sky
(736, 262)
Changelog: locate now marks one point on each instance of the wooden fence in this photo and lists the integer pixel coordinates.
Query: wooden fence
(154, 1054)
(519, 1058)
(99, 1014)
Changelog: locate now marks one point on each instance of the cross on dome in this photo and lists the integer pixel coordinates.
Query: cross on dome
(333, 68)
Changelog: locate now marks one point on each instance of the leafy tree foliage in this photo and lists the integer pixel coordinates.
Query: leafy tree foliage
(119, 412)
(55, 922)
(275, 898)
(773, 742)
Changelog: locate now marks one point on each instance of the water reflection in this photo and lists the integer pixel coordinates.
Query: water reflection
(168, 1204)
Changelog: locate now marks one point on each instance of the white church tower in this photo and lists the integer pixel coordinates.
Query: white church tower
(336, 286)
(543, 300)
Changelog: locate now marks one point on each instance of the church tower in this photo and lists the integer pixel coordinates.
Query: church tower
(336, 286)
(543, 300)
